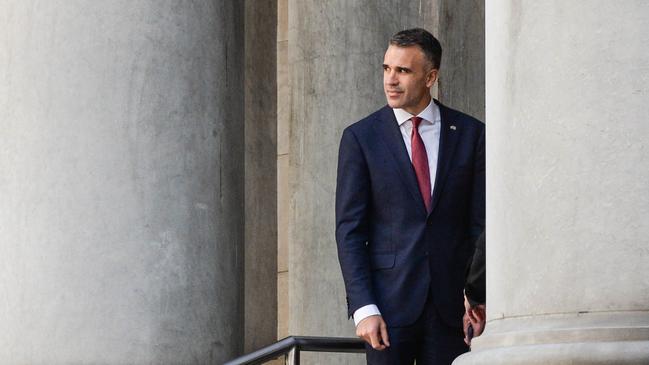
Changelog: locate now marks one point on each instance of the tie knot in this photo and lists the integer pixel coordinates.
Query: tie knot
(416, 121)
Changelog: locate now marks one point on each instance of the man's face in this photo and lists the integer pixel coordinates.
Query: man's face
(407, 78)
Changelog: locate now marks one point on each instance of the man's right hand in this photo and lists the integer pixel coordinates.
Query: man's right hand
(374, 331)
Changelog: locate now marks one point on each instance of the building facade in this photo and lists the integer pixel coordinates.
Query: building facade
(167, 173)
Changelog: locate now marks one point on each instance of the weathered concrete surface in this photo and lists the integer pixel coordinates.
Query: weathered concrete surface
(283, 147)
(568, 199)
(462, 73)
(121, 181)
(335, 54)
(261, 174)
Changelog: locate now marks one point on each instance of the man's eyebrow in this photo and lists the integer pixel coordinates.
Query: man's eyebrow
(398, 68)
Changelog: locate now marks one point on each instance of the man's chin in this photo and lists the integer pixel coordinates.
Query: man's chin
(394, 104)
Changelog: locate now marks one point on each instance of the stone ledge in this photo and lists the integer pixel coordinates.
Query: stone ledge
(571, 338)
(565, 328)
(592, 353)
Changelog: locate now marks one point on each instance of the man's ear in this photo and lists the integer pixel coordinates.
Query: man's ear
(431, 77)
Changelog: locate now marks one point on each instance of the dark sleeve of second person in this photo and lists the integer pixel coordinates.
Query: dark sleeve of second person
(476, 278)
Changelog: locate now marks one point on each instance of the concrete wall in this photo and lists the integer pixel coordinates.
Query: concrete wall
(567, 199)
(462, 74)
(121, 182)
(335, 54)
(261, 174)
(122, 169)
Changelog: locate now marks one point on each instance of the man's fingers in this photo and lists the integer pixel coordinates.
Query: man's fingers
(384, 334)
(471, 315)
(375, 341)
(479, 316)
(476, 315)
(476, 318)
(373, 330)
(479, 329)
(466, 326)
(480, 313)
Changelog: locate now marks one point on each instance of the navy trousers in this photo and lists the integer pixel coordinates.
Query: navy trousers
(428, 341)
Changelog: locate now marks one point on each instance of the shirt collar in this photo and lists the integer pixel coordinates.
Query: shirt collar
(430, 114)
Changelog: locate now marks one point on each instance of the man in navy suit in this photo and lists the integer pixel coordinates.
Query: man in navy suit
(410, 203)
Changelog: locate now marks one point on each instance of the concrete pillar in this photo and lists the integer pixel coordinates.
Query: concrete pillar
(568, 199)
(462, 73)
(261, 172)
(336, 50)
(121, 181)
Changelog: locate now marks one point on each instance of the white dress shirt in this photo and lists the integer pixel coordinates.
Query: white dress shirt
(429, 129)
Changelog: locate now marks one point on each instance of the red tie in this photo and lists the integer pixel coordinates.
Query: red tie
(420, 162)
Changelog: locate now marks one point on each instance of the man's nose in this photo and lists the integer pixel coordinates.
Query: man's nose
(390, 78)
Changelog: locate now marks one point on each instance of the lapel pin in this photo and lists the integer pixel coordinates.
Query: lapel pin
(453, 127)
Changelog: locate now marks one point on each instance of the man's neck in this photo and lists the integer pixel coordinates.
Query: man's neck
(420, 107)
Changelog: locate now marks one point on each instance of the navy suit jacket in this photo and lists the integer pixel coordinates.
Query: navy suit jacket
(391, 251)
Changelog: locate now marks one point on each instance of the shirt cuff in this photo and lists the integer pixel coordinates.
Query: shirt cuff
(364, 312)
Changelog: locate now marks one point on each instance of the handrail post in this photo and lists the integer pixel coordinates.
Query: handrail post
(294, 356)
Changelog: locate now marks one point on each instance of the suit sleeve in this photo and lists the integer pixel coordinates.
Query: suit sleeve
(478, 194)
(475, 282)
(353, 201)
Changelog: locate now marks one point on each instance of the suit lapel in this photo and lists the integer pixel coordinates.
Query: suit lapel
(448, 138)
(388, 128)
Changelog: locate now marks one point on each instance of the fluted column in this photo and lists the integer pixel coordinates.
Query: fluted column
(568, 199)
(121, 182)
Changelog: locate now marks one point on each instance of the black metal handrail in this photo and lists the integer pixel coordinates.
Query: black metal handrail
(292, 345)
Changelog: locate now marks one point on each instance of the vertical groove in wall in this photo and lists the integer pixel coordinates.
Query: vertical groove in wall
(260, 289)
(283, 147)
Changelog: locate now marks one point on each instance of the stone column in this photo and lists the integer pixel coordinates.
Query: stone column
(568, 198)
(121, 182)
(462, 73)
(336, 50)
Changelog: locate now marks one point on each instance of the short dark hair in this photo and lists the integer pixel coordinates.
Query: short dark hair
(422, 38)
